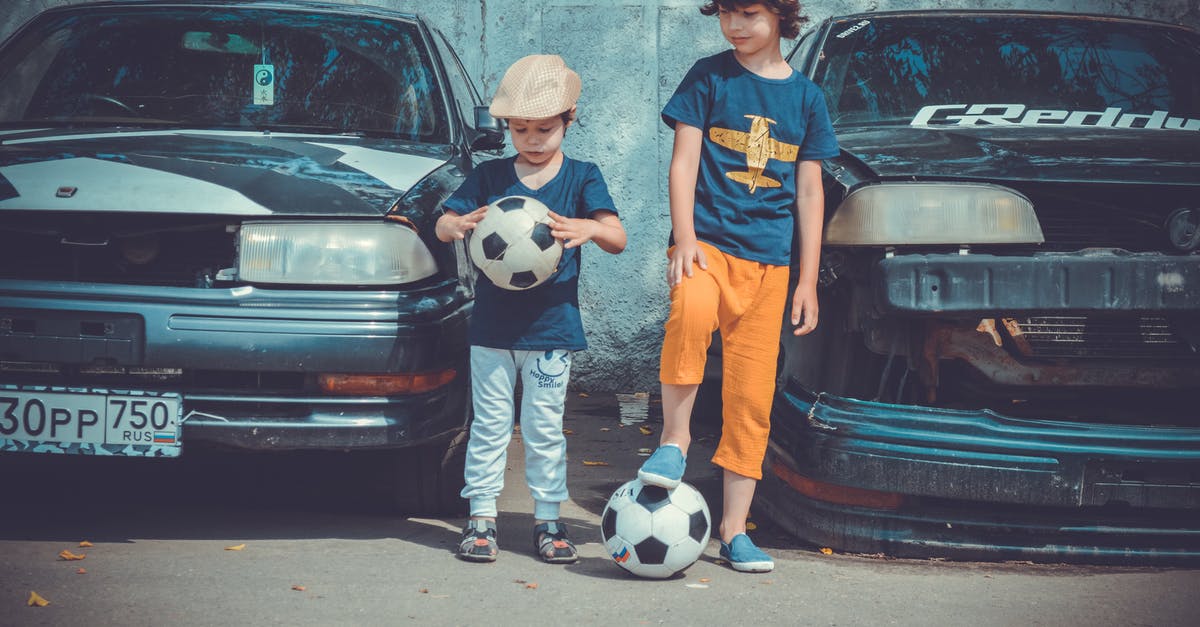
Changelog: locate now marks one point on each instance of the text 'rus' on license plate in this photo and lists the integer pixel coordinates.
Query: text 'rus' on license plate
(96, 422)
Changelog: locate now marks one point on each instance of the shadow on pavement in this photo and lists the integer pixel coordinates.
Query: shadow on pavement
(209, 493)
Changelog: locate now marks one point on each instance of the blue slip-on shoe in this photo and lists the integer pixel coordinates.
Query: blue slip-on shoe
(664, 468)
(743, 556)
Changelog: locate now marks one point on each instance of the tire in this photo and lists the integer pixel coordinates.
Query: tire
(427, 480)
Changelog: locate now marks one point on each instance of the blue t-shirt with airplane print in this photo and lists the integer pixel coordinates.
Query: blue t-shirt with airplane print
(755, 130)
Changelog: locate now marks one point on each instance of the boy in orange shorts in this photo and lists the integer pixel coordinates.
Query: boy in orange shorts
(749, 136)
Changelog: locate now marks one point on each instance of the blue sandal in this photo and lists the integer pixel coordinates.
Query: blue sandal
(550, 540)
(479, 541)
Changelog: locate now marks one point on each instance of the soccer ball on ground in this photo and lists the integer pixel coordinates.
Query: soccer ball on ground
(513, 246)
(655, 532)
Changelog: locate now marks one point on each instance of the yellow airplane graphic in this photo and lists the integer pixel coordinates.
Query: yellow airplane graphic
(758, 146)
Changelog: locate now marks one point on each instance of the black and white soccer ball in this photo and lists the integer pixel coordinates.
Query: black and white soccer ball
(655, 532)
(513, 246)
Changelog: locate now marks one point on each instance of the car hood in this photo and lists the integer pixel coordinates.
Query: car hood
(208, 172)
(1025, 154)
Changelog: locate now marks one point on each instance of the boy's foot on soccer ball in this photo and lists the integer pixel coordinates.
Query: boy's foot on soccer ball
(743, 556)
(550, 540)
(664, 468)
(479, 541)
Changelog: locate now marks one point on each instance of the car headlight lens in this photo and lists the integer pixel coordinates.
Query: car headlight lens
(895, 214)
(332, 253)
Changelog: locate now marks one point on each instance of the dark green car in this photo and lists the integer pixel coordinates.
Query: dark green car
(216, 228)
(1008, 360)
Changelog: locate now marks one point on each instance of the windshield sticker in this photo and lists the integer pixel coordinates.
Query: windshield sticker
(1020, 115)
(264, 84)
(853, 29)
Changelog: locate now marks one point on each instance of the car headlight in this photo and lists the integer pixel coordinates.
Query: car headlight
(895, 214)
(332, 253)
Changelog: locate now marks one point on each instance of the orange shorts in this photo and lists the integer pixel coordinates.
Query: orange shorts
(746, 301)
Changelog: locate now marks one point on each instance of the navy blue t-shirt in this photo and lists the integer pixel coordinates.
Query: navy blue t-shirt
(545, 317)
(755, 129)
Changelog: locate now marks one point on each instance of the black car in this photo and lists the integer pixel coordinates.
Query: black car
(1007, 362)
(216, 227)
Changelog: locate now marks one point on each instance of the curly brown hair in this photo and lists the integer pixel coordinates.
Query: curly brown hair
(790, 19)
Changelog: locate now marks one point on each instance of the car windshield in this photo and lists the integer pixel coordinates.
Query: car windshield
(205, 67)
(1010, 69)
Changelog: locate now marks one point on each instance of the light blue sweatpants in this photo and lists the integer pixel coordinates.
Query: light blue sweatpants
(544, 376)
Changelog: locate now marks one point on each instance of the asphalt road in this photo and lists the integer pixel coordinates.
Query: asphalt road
(312, 555)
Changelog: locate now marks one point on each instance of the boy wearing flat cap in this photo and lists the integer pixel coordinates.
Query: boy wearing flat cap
(530, 334)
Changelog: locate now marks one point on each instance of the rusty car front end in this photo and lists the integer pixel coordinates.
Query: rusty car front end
(1007, 363)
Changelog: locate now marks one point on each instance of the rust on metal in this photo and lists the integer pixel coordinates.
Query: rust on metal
(945, 341)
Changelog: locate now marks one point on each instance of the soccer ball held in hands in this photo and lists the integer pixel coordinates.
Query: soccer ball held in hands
(513, 246)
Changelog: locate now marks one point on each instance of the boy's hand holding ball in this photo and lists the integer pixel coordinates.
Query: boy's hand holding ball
(452, 226)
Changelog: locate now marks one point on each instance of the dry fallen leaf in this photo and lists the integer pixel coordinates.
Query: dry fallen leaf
(236, 547)
(531, 586)
(70, 557)
(81, 571)
(568, 432)
(705, 580)
(750, 526)
(299, 588)
(826, 550)
(424, 590)
(584, 395)
(587, 463)
(36, 600)
(605, 429)
(85, 544)
(645, 430)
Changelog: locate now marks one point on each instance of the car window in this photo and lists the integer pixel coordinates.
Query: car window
(244, 69)
(465, 96)
(798, 58)
(886, 70)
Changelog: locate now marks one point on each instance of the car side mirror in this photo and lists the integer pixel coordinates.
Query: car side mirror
(489, 131)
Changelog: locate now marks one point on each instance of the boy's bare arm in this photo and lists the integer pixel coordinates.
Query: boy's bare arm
(451, 226)
(685, 166)
(604, 228)
(810, 218)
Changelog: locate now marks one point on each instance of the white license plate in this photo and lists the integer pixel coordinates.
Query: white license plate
(90, 422)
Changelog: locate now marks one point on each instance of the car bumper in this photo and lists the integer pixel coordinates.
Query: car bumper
(914, 481)
(326, 423)
(243, 333)
(981, 285)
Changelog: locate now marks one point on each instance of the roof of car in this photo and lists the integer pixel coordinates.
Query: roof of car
(984, 12)
(926, 13)
(289, 5)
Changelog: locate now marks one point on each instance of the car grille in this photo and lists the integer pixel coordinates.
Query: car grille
(1076, 229)
(1100, 337)
(122, 249)
(1129, 217)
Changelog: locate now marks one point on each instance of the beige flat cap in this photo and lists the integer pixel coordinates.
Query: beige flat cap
(535, 87)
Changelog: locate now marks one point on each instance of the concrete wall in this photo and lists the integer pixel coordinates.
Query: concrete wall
(631, 55)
